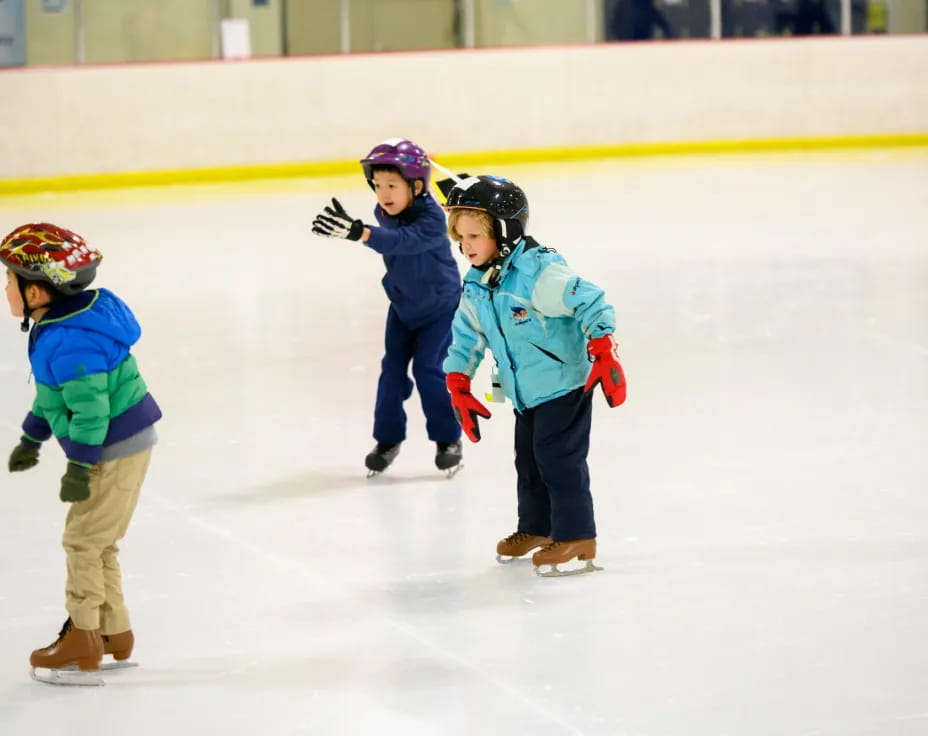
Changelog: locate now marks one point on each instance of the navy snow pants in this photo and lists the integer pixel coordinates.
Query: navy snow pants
(426, 347)
(552, 442)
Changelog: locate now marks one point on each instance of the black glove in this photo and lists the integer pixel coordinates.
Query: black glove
(24, 456)
(334, 222)
(75, 483)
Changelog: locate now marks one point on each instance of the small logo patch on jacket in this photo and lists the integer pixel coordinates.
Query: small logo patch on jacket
(520, 315)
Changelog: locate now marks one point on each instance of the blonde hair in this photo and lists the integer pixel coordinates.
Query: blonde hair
(486, 222)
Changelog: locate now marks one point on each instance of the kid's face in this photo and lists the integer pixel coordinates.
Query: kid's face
(13, 296)
(392, 191)
(478, 247)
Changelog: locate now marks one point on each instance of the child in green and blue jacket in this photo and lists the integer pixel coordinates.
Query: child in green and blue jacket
(91, 397)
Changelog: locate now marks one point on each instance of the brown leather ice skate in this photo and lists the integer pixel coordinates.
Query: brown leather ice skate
(559, 552)
(518, 544)
(81, 647)
(119, 645)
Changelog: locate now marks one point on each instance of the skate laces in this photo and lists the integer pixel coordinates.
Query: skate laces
(517, 537)
(553, 545)
(63, 633)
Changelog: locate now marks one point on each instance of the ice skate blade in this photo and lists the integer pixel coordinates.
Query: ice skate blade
(554, 572)
(113, 666)
(67, 677)
(118, 665)
(453, 470)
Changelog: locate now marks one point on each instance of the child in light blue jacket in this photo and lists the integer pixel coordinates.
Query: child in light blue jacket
(543, 324)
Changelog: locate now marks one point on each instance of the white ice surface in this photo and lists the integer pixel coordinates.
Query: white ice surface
(761, 498)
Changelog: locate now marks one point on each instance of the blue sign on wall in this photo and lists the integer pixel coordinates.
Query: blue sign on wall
(12, 33)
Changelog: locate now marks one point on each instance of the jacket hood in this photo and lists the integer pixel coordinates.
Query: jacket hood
(96, 310)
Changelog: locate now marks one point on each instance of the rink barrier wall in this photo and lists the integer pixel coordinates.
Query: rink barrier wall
(488, 160)
(156, 124)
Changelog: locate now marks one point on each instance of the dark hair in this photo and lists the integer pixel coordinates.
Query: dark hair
(53, 294)
(386, 167)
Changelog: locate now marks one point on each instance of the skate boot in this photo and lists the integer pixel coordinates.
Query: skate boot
(380, 458)
(448, 457)
(518, 544)
(80, 647)
(120, 647)
(565, 551)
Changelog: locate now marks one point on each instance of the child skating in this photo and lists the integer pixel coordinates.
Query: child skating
(423, 285)
(544, 326)
(91, 397)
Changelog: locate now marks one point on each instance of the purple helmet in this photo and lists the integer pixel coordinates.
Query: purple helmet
(410, 160)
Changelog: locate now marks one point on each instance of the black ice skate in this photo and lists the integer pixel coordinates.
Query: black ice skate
(448, 457)
(380, 458)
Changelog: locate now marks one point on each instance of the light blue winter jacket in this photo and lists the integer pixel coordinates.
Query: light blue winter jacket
(536, 322)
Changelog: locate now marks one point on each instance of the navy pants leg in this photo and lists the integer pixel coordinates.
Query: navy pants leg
(394, 386)
(431, 343)
(552, 442)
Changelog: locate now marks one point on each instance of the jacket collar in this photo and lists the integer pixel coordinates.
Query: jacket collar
(475, 275)
(63, 310)
(412, 212)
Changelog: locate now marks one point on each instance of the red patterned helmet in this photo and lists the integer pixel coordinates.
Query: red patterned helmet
(43, 252)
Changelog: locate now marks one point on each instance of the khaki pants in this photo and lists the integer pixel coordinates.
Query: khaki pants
(94, 587)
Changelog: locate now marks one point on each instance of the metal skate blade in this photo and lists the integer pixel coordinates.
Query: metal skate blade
(66, 677)
(555, 572)
(118, 665)
(509, 560)
(453, 471)
(114, 666)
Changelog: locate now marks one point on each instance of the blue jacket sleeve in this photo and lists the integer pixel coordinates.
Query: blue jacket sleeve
(468, 342)
(417, 237)
(35, 428)
(559, 292)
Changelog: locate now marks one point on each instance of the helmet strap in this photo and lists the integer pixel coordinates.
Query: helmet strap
(508, 234)
(27, 310)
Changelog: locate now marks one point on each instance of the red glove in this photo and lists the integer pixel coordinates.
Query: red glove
(606, 370)
(466, 407)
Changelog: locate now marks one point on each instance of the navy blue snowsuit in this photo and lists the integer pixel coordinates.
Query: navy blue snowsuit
(423, 285)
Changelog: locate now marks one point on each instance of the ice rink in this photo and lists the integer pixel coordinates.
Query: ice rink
(761, 498)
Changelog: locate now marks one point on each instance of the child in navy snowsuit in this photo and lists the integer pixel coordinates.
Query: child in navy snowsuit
(424, 288)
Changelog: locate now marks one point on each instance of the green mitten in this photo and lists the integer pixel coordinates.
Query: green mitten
(24, 456)
(75, 483)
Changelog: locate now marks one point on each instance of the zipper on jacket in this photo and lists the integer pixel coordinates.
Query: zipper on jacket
(512, 368)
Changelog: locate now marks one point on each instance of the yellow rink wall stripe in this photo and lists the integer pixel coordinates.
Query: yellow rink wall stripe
(484, 160)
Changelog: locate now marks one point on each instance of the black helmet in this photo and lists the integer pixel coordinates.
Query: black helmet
(501, 199)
